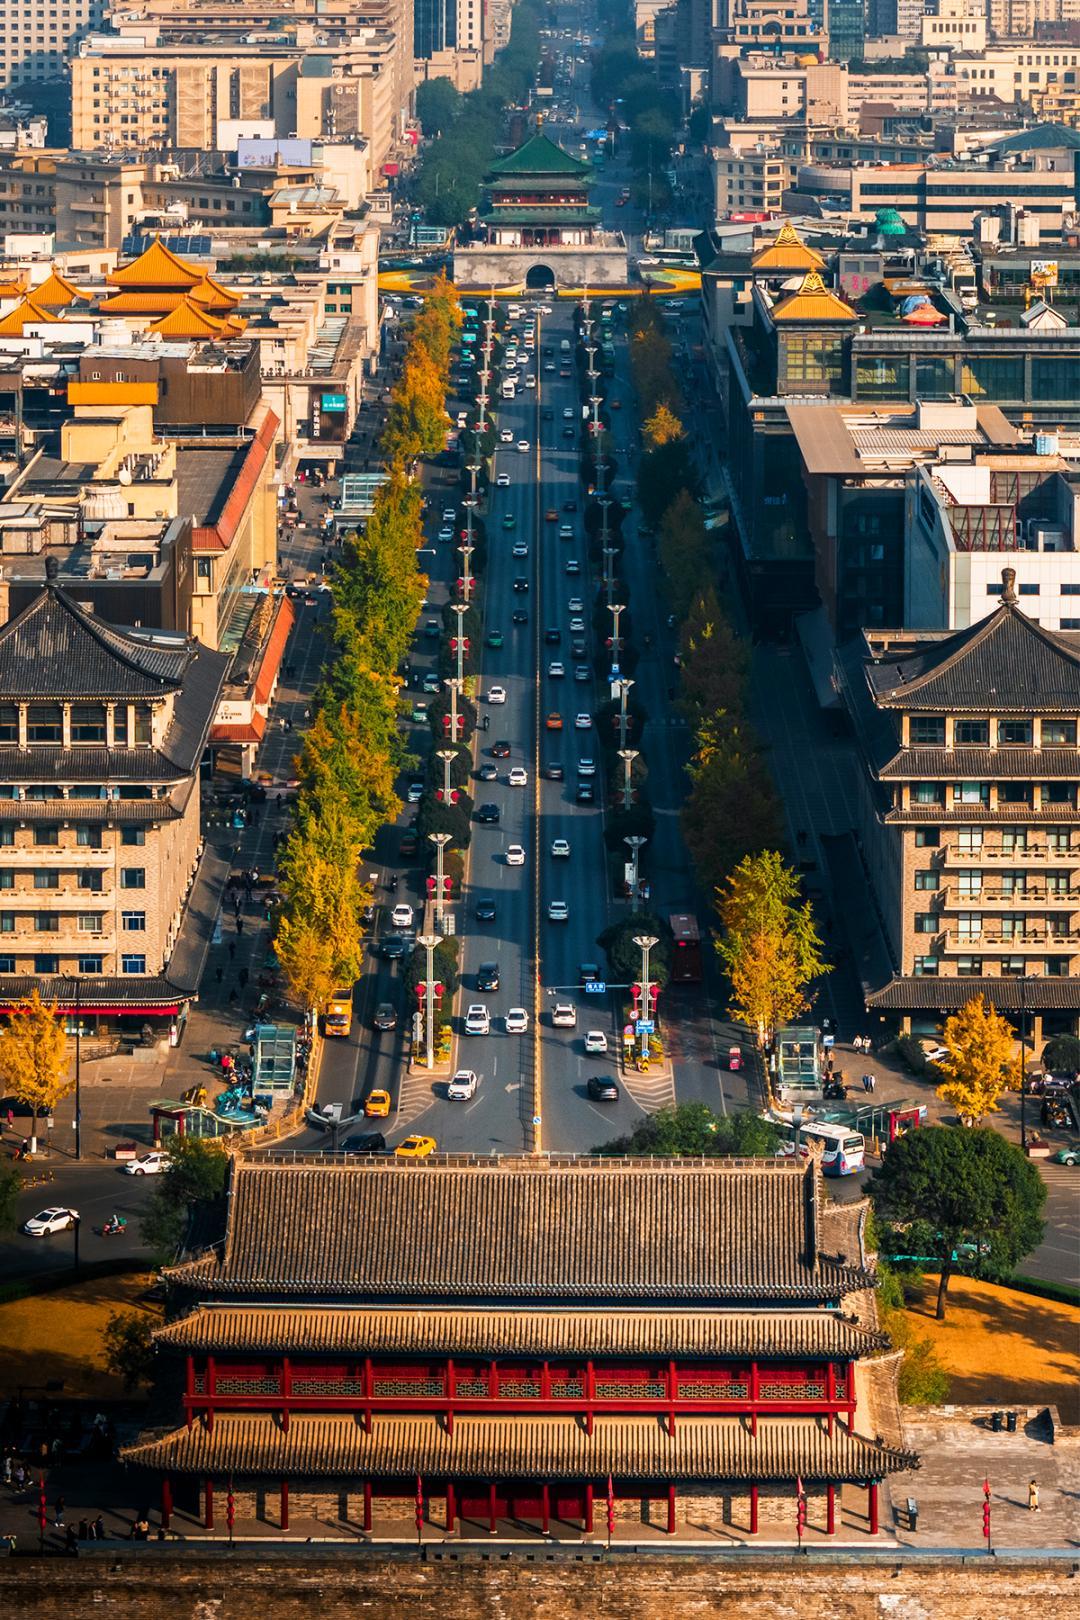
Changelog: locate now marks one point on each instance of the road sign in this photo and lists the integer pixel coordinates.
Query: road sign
(644, 1026)
(595, 987)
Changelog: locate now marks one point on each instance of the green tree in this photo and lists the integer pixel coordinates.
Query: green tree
(714, 661)
(732, 809)
(33, 1058)
(963, 1201)
(685, 555)
(193, 1181)
(1061, 1055)
(979, 1050)
(668, 467)
(625, 957)
(770, 948)
(128, 1343)
(438, 104)
(691, 1130)
(922, 1380)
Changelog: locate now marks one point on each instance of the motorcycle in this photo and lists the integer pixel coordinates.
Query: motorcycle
(113, 1228)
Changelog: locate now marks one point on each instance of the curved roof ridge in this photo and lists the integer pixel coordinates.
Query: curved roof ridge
(134, 654)
(973, 636)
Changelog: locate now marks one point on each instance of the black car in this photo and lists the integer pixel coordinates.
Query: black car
(485, 909)
(487, 976)
(588, 973)
(385, 1016)
(547, 414)
(586, 793)
(489, 772)
(521, 583)
(488, 814)
(601, 1089)
(500, 749)
(554, 771)
(364, 1142)
(552, 637)
(578, 648)
(569, 433)
(394, 947)
(520, 616)
(569, 506)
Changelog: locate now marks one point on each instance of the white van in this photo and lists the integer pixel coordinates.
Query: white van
(509, 388)
(565, 345)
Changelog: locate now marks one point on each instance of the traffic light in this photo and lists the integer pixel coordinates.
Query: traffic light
(986, 1509)
(463, 641)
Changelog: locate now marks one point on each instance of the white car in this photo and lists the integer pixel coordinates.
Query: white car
(549, 365)
(577, 626)
(523, 445)
(560, 848)
(556, 669)
(47, 1221)
(568, 413)
(477, 1019)
(583, 722)
(595, 1042)
(575, 605)
(446, 534)
(449, 514)
(517, 1021)
(564, 1015)
(505, 436)
(151, 1164)
(402, 915)
(530, 381)
(515, 855)
(503, 481)
(496, 694)
(518, 777)
(521, 548)
(558, 911)
(586, 767)
(463, 1085)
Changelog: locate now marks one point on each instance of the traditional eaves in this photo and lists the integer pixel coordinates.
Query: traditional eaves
(940, 995)
(188, 320)
(25, 314)
(540, 156)
(55, 292)
(156, 266)
(814, 302)
(55, 649)
(788, 252)
(1005, 662)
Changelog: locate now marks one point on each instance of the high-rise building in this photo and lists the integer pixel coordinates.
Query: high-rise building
(34, 38)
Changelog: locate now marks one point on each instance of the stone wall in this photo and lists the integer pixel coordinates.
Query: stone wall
(596, 266)
(294, 1584)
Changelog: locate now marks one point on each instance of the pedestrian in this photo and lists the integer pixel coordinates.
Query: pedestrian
(1033, 1497)
(58, 1520)
(84, 1530)
(873, 1081)
(866, 1082)
(232, 995)
(72, 1542)
(232, 950)
(20, 1476)
(857, 1043)
(219, 973)
(11, 1119)
(243, 978)
(239, 923)
(99, 1528)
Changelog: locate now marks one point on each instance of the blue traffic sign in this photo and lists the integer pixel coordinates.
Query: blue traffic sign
(645, 1026)
(595, 987)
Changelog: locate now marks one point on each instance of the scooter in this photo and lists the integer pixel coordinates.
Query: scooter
(114, 1227)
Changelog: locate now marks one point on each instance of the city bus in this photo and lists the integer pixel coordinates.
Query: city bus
(844, 1149)
(337, 1019)
(686, 952)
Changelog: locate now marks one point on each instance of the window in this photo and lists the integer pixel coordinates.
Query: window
(132, 964)
(92, 881)
(926, 967)
(1059, 733)
(88, 837)
(971, 733)
(7, 834)
(969, 967)
(120, 727)
(47, 922)
(927, 793)
(46, 837)
(1014, 733)
(133, 922)
(133, 877)
(45, 723)
(927, 730)
(884, 377)
(996, 379)
(133, 836)
(971, 793)
(1012, 967)
(1058, 792)
(927, 837)
(7, 964)
(45, 878)
(144, 725)
(9, 722)
(969, 925)
(926, 878)
(1014, 793)
(1027, 587)
(7, 922)
(1055, 967)
(90, 964)
(88, 723)
(815, 360)
(926, 922)
(1014, 839)
(45, 965)
(935, 378)
(91, 922)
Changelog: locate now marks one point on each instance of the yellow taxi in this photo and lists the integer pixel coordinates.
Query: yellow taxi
(377, 1104)
(415, 1147)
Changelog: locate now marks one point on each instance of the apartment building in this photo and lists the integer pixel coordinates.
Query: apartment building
(967, 814)
(104, 728)
(1018, 19)
(751, 181)
(35, 38)
(1014, 70)
(954, 25)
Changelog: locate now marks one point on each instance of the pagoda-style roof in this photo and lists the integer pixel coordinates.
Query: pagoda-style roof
(55, 292)
(514, 186)
(542, 214)
(187, 319)
(12, 289)
(520, 1447)
(28, 313)
(787, 253)
(813, 303)
(286, 1330)
(156, 266)
(573, 1230)
(207, 294)
(56, 649)
(540, 156)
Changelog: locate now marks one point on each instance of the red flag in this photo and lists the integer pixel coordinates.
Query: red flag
(610, 1508)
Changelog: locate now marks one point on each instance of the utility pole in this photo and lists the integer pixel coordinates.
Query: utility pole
(455, 687)
(1022, 982)
(447, 756)
(460, 608)
(429, 942)
(467, 548)
(624, 722)
(440, 840)
(617, 611)
(636, 843)
(628, 756)
(645, 943)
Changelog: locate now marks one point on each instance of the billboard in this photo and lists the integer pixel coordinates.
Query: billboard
(266, 152)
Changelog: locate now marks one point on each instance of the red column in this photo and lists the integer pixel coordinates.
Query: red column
(671, 1510)
(208, 1517)
(449, 1387)
(590, 1395)
(369, 1391)
(830, 1391)
(830, 1510)
(753, 1509)
(588, 1509)
(545, 1381)
(753, 1397)
(545, 1508)
(671, 1396)
(872, 1506)
(451, 1507)
(189, 1384)
(493, 1380)
(285, 1378)
(210, 1380)
(367, 1504)
(166, 1502)
(284, 1504)
(491, 1509)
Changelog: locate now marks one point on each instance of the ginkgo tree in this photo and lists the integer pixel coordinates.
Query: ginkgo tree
(978, 1044)
(769, 947)
(33, 1058)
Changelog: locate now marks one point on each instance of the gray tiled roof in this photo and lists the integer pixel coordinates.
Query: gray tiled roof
(520, 1447)
(946, 995)
(816, 1334)
(1006, 662)
(501, 1229)
(981, 764)
(56, 650)
(94, 990)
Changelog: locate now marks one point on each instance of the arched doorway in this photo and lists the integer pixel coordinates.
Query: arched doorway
(540, 276)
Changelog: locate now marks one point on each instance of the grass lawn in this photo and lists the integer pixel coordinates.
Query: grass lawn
(1000, 1346)
(58, 1335)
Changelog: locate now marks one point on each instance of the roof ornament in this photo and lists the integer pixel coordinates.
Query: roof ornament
(1009, 597)
(52, 568)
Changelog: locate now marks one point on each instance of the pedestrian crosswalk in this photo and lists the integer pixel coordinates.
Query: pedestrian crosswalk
(416, 1094)
(651, 1091)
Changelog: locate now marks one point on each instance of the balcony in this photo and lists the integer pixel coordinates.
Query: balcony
(23, 899)
(1015, 855)
(1031, 940)
(954, 898)
(63, 858)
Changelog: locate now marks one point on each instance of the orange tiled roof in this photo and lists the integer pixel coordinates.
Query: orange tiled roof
(25, 314)
(813, 302)
(55, 292)
(157, 266)
(12, 289)
(787, 252)
(188, 320)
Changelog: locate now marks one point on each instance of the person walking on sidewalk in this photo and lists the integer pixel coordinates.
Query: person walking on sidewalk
(1033, 1497)
(58, 1520)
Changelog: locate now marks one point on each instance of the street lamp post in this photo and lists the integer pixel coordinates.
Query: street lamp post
(466, 565)
(440, 840)
(429, 942)
(455, 687)
(76, 986)
(617, 611)
(447, 756)
(645, 943)
(1023, 1063)
(624, 687)
(636, 843)
(460, 609)
(628, 756)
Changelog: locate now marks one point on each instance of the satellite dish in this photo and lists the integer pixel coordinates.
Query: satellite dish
(123, 476)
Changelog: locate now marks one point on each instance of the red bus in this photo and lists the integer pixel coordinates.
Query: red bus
(686, 954)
